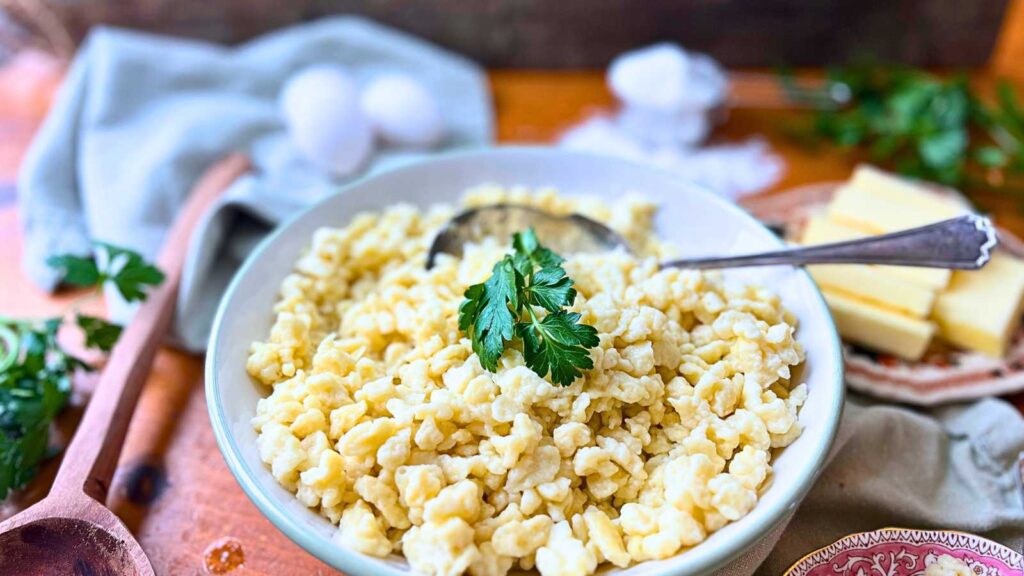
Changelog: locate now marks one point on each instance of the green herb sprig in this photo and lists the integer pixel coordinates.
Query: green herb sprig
(525, 298)
(36, 371)
(925, 126)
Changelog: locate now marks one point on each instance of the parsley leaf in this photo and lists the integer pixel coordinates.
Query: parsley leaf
(99, 333)
(529, 253)
(503, 307)
(558, 344)
(551, 289)
(129, 272)
(78, 270)
(486, 313)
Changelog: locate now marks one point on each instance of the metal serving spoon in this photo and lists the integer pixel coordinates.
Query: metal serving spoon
(963, 243)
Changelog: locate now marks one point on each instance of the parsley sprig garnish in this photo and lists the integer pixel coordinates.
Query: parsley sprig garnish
(525, 298)
(36, 371)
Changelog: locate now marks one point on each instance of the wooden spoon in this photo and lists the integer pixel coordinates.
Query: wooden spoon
(71, 531)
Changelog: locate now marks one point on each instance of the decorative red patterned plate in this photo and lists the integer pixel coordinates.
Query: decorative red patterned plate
(904, 552)
(944, 374)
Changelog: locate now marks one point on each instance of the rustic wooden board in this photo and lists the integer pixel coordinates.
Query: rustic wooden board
(172, 487)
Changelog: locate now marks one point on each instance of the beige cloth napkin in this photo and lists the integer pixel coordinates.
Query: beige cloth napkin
(953, 468)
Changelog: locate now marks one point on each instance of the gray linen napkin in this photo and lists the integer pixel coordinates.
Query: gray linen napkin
(140, 116)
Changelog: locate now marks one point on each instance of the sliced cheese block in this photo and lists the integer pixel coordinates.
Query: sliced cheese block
(981, 309)
(821, 230)
(876, 202)
(879, 329)
(876, 286)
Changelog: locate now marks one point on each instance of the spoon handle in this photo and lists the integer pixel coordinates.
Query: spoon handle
(91, 458)
(963, 243)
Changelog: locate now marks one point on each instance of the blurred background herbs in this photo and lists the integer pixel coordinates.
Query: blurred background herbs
(36, 371)
(925, 126)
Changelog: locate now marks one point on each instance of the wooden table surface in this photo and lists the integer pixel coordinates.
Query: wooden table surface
(172, 487)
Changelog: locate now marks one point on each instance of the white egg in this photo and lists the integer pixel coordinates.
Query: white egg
(320, 105)
(403, 111)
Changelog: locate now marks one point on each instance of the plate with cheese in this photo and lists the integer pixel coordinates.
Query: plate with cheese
(917, 335)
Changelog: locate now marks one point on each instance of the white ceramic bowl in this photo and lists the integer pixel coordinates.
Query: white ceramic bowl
(697, 221)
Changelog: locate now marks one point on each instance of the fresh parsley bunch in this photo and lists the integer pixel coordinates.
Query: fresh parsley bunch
(925, 126)
(506, 307)
(35, 381)
(36, 371)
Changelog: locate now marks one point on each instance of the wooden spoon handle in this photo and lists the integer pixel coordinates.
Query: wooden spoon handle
(91, 458)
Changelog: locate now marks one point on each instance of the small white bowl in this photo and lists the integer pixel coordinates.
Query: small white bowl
(699, 222)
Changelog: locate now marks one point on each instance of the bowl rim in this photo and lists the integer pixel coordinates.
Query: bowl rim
(353, 562)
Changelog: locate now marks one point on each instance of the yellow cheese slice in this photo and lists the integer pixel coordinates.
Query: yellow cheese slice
(876, 287)
(879, 329)
(821, 230)
(904, 191)
(877, 202)
(981, 309)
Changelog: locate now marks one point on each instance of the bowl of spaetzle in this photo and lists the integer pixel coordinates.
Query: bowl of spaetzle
(514, 409)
